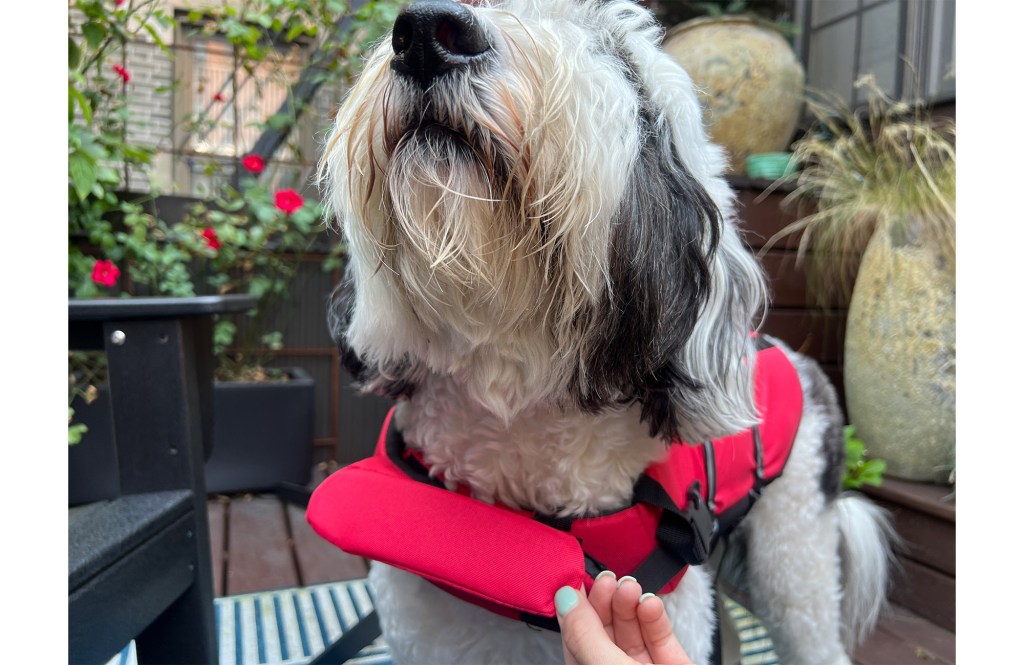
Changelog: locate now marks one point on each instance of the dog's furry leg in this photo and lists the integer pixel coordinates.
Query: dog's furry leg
(691, 608)
(792, 558)
(806, 548)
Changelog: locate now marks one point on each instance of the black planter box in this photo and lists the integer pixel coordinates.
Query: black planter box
(262, 436)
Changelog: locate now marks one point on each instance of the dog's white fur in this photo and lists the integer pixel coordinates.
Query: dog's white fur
(520, 275)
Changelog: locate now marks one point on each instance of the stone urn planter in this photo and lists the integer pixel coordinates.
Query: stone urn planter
(881, 184)
(752, 81)
(900, 355)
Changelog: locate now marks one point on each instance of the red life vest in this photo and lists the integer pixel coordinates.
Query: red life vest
(387, 508)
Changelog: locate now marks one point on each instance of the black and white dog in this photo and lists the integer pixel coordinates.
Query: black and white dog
(545, 269)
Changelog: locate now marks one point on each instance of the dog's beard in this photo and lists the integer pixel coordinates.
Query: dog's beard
(464, 252)
(473, 264)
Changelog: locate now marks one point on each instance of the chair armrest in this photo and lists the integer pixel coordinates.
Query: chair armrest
(105, 532)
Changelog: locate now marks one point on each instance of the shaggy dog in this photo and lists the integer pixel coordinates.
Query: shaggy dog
(546, 272)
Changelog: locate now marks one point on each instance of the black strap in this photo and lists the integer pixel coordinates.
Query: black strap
(716, 635)
(709, 464)
(759, 481)
(540, 621)
(554, 521)
(394, 445)
(685, 536)
(350, 643)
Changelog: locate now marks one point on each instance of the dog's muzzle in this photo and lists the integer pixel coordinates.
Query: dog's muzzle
(432, 37)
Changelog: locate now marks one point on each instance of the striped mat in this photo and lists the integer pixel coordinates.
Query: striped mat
(289, 626)
(755, 645)
(292, 626)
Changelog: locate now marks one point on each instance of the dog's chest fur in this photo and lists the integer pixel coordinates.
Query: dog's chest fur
(548, 459)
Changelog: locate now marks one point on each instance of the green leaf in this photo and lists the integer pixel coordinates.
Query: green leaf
(75, 433)
(223, 334)
(82, 171)
(273, 340)
(74, 54)
(83, 103)
(94, 33)
(872, 471)
(158, 39)
(293, 32)
(279, 120)
(259, 286)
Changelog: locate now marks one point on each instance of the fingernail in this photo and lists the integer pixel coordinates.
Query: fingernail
(604, 573)
(624, 578)
(646, 596)
(565, 600)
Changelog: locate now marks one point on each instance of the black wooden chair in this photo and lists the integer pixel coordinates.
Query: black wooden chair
(139, 565)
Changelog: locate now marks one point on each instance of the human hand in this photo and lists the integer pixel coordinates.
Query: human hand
(616, 625)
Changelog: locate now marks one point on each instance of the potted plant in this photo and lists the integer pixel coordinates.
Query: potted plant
(248, 236)
(738, 53)
(883, 180)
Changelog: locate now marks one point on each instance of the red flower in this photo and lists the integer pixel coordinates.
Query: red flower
(118, 3)
(219, 98)
(105, 273)
(212, 241)
(288, 200)
(123, 73)
(253, 163)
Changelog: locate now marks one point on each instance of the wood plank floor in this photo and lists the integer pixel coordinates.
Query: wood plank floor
(260, 543)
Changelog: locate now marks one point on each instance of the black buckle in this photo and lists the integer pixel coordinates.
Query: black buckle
(702, 524)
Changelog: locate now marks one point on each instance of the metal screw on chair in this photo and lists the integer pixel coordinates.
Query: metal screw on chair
(118, 337)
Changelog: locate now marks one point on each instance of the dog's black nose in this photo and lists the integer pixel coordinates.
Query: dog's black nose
(432, 37)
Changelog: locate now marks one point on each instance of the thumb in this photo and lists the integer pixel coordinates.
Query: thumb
(584, 640)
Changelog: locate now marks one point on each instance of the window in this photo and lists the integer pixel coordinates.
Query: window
(907, 44)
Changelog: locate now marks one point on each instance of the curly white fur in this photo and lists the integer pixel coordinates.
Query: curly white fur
(544, 264)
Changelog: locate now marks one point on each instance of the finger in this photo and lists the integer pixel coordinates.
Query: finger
(584, 641)
(624, 620)
(659, 639)
(601, 598)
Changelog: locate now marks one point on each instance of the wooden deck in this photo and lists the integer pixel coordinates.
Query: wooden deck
(261, 543)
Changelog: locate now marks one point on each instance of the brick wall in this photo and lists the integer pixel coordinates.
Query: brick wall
(151, 104)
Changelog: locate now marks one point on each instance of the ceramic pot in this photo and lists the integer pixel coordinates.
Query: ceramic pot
(751, 80)
(900, 355)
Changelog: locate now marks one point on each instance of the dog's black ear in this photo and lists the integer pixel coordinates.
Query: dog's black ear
(396, 382)
(664, 240)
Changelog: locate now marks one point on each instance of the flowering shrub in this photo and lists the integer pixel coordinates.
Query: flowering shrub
(249, 235)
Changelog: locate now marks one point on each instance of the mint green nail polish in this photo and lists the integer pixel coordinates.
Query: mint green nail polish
(645, 597)
(604, 573)
(624, 578)
(565, 600)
